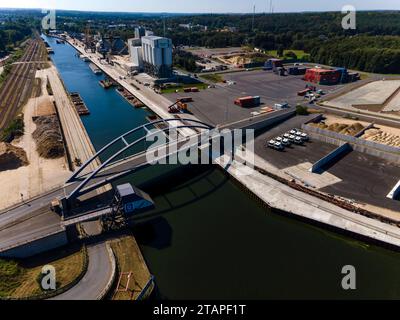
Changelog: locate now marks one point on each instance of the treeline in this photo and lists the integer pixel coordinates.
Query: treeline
(372, 47)
(366, 53)
(185, 60)
(14, 32)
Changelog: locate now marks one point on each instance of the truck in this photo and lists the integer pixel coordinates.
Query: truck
(185, 99)
(248, 102)
(280, 106)
(303, 92)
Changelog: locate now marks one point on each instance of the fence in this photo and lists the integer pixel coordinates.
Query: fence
(146, 289)
(330, 157)
(372, 148)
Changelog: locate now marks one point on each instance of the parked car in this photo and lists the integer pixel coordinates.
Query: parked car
(271, 144)
(298, 140)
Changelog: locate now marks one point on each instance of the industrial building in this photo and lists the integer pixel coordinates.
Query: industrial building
(136, 55)
(157, 56)
(113, 45)
(140, 32)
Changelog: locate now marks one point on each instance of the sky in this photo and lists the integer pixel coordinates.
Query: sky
(203, 6)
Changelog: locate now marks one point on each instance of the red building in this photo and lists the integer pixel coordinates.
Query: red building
(322, 76)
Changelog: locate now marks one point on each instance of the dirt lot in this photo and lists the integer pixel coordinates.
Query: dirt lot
(206, 52)
(41, 174)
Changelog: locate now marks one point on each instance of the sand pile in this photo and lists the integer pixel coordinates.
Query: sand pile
(12, 157)
(238, 60)
(342, 128)
(48, 137)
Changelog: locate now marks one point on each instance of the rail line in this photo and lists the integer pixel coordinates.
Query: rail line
(17, 86)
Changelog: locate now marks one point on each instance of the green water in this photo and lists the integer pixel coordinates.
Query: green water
(208, 239)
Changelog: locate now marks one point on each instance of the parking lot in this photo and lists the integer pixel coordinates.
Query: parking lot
(216, 105)
(355, 176)
(365, 178)
(310, 151)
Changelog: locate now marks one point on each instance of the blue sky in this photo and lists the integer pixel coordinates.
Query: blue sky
(213, 6)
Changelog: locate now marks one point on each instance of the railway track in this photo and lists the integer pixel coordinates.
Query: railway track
(20, 81)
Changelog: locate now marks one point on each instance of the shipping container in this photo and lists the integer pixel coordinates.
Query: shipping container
(248, 102)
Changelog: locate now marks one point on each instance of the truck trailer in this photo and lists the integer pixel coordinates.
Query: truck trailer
(248, 102)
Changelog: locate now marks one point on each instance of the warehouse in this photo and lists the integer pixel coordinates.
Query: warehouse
(323, 76)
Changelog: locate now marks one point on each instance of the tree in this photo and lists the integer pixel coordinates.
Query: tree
(280, 51)
(302, 110)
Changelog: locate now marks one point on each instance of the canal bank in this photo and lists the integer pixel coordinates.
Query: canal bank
(276, 194)
(208, 239)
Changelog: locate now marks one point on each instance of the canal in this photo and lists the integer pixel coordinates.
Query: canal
(207, 239)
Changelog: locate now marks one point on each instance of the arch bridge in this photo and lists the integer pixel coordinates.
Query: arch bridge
(113, 169)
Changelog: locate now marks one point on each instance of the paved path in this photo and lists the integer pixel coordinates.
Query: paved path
(96, 278)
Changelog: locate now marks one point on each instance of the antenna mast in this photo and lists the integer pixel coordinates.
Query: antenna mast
(254, 13)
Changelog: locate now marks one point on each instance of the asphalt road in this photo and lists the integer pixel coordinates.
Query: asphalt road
(365, 178)
(96, 278)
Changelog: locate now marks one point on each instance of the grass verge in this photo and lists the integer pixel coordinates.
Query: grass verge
(172, 89)
(301, 55)
(19, 279)
(130, 260)
(214, 77)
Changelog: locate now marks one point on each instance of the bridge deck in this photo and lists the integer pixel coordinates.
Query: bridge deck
(87, 217)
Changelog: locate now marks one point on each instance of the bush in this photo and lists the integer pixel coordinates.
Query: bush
(14, 130)
(302, 110)
(10, 277)
(291, 55)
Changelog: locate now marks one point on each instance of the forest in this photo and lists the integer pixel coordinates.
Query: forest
(373, 46)
(15, 28)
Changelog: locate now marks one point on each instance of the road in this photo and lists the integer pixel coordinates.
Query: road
(154, 101)
(76, 138)
(98, 275)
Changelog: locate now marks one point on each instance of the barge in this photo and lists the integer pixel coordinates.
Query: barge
(130, 98)
(84, 58)
(80, 106)
(107, 83)
(95, 69)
